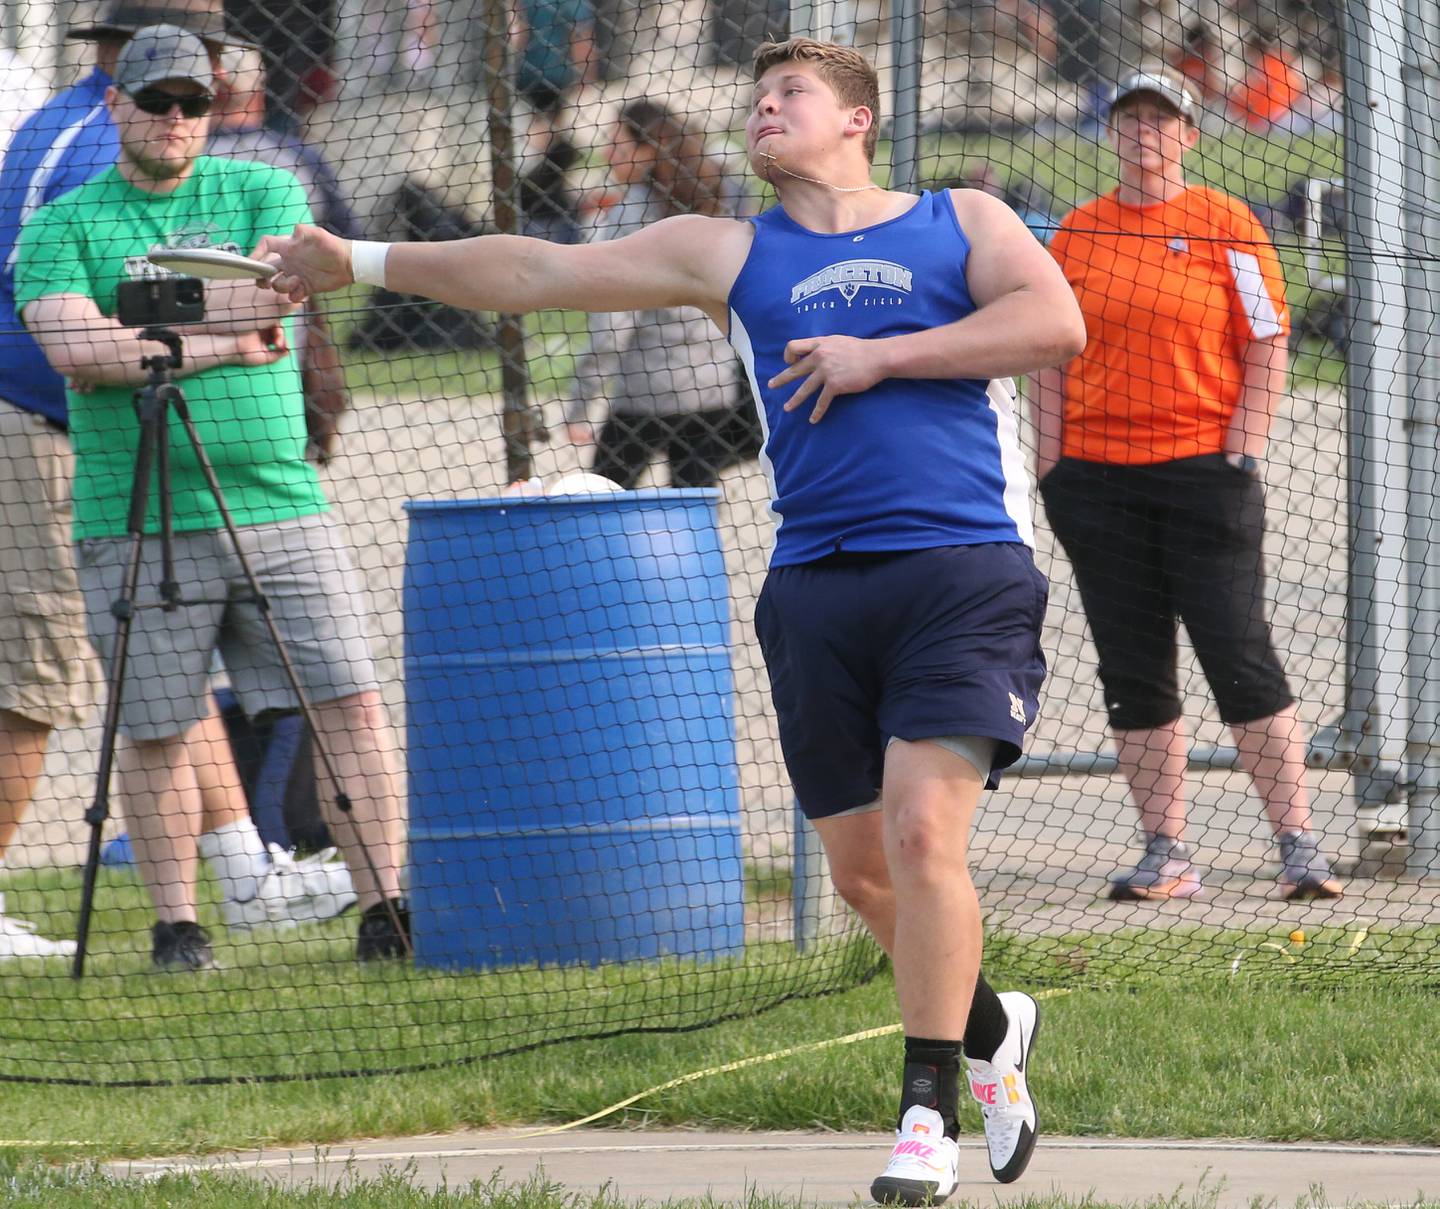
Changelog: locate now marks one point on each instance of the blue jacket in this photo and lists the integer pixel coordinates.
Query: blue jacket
(61, 145)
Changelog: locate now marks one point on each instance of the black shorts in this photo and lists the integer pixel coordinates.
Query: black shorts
(1155, 545)
(917, 645)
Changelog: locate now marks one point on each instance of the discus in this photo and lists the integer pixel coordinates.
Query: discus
(212, 263)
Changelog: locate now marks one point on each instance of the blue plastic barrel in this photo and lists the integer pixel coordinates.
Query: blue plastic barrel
(574, 796)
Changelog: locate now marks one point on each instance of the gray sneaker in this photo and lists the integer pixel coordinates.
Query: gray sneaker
(1165, 871)
(1306, 872)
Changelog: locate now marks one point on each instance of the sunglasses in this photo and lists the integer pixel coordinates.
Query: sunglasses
(158, 103)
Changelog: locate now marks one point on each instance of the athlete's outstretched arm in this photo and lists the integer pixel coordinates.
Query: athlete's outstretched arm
(681, 261)
(1026, 318)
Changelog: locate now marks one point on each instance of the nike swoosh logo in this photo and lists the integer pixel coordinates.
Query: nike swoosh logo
(1024, 1051)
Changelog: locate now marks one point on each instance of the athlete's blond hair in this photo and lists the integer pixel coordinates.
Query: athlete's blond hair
(843, 68)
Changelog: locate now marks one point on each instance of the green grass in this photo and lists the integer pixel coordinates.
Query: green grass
(1183, 1059)
(552, 339)
(282, 1004)
(31, 1186)
(286, 1005)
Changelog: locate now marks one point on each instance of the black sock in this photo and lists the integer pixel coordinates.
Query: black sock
(986, 1028)
(932, 1080)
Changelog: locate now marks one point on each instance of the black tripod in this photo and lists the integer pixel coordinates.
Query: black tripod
(153, 403)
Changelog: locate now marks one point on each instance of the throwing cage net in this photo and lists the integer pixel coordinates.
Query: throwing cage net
(519, 581)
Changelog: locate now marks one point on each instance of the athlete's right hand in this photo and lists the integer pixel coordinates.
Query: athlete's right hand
(311, 261)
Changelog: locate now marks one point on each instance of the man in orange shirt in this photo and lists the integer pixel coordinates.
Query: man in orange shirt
(1150, 449)
(1271, 87)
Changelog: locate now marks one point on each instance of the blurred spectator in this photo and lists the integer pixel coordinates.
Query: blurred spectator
(1008, 47)
(1201, 64)
(666, 378)
(245, 392)
(1028, 200)
(238, 132)
(297, 38)
(982, 175)
(1149, 460)
(548, 208)
(21, 93)
(556, 45)
(738, 27)
(1321, 105)
(555, 42)
(1271, 86)
(420, 39)
(1032, 204)
(47, 666)
(405, 323)
(1087, 38)
(1026, 24)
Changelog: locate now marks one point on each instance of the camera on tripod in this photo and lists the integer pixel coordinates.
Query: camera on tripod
(160, 302)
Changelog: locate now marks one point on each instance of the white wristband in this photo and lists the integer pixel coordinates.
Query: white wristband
(367, 261)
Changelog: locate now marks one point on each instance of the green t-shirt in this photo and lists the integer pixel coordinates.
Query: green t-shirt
(251, 421)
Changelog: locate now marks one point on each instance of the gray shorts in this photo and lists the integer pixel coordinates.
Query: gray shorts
(313, 589)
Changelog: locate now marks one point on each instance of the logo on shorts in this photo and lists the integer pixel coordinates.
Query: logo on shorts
(1017, 709)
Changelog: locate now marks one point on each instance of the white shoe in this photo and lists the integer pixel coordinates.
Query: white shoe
(18, 939)
(999, 1087)
(924, 1165)
(294, 892)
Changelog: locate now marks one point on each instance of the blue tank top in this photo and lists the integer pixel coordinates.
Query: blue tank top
(909, 464)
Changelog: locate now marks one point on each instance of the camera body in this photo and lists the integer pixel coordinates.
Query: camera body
(160, 302)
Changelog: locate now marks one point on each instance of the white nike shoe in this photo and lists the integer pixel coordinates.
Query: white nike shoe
(294, 892)
(923, 1166)
(999, 1087)
(18, 939)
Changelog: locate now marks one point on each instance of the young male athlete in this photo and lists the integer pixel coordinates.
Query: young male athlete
(900, 620)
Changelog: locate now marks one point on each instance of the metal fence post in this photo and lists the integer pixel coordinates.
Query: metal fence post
(818, 911)
(1376, 716)
(517, 418)
(908, 49)
(1422, 240)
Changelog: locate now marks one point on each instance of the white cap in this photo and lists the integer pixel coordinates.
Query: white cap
(1176, 95)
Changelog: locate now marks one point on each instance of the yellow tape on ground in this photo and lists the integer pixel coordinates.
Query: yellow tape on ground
(809, 1047)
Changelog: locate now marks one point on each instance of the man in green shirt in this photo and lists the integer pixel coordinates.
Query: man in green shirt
(243, 387)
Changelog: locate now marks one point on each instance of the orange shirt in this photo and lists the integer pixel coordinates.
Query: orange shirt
(1172, 293)
(1268, 92)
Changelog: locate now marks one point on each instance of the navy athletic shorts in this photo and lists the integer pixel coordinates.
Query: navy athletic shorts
(919, 644)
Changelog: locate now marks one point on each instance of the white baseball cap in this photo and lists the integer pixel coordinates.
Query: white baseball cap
(1174, 94)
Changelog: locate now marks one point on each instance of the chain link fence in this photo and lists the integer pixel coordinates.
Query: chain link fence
(601, 832)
